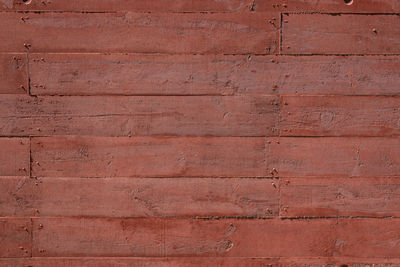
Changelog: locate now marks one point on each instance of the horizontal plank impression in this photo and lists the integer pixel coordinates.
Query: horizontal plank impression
(340, 34)
(197, 261)
(249, 238)
(380, 6)
(333, 157)
(339, 261)
(131, 5)
(133, 74)
(365, 237)
(97, 237)
(335, 6)
(15, 237)
(375, 197)
(148, 157)
(139, 32)
(14, 78)
(147, 197)
(142, 261)
(139, 115)
(14, 156)
(340, 116)
(103, 237)
(266, 238)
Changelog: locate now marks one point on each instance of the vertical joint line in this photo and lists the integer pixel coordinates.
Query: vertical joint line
(280, 33)
(30, 156)
(280, 115)
(31, 229)
(28, 73)
(280, 197)
(265, 161)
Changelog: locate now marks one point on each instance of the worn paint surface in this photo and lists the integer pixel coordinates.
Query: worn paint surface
(199, 133)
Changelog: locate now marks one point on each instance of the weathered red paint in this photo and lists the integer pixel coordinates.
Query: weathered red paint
(77, 237)
(340, 34)
(139, 197)
(333, 157)
(14, 157)
(140, 115)
(139, 74)
(199, 261)
(364, 6)
(340, 116)
(15, 237)
(185, 33)
(199, 133)
(14, 74)
(330, 197)
(75, 156)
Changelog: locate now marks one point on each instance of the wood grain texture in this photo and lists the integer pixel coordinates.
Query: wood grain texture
(340, 34)
(333, 157)
(139, 261)
(335, 6)
(76, 156)
(249, 238)
(17, 196)
(200, 133)
(319, 238)
(186, 33)
(130, 5)
(340, 116)
(138, 197)
(78, 237)
(15, 237)
(144, 237)
(368, 6)
(224, 238)
(14, 74)
(373, 197)
(339, 262)
(198, 261)
(364, 237)
(14, 157)
(138, 115)
(138, 74)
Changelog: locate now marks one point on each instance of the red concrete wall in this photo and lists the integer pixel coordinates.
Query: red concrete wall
(199, 133)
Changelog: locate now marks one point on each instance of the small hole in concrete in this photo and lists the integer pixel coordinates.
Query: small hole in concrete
(344, 265)
(348, 2)
(27, 2)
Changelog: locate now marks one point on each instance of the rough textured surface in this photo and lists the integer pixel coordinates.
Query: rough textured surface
(199, 261)
(14, 74)
(364, 6)
(139, 197)
(305, 197)
(97, 237)
(187, 237)
(222, 133)
(340, 116)
(138, 74)
(250, 238)
(333, 157)
(334, 6)
(135, 115)
(14, 157)
(147, 156)
(15, 237)
(131, 5)
(340, 34)
(139, 32)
